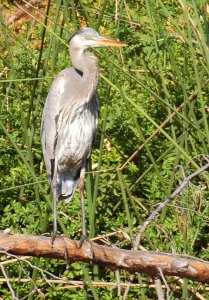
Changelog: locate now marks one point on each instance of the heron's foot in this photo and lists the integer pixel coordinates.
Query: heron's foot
(84, 239)
(55, 235)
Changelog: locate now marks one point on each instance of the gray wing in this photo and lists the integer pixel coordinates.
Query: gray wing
(50, 117)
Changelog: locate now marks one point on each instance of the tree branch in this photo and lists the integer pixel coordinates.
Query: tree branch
(162, 205)
(112, 258)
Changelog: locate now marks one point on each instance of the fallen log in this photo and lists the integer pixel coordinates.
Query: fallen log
(150, 263)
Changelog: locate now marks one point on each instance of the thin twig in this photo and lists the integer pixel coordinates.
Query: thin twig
(165, 282)
(170, 117)
(162, 205)
(21, 259)
(194, 25)
(17, 144)
(200, 296)
(8, 282)
(159, 289)
(128, 287)
(117, 274)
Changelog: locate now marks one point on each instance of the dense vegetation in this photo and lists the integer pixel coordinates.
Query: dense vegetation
(165, 65)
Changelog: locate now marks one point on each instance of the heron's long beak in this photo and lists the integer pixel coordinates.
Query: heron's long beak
(108, 42)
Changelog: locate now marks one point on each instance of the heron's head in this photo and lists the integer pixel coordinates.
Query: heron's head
(88, 37)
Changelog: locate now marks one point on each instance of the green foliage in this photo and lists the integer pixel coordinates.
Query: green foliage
(164, 66)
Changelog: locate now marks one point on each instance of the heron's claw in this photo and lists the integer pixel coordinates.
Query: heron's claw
(54, 236)
(57, 235)
(84, 239)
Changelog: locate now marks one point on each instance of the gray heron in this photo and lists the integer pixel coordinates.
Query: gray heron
(69, 120)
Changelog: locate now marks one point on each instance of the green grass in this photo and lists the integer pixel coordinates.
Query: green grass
(165, 65)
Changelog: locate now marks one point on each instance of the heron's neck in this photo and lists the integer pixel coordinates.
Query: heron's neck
(86, 64)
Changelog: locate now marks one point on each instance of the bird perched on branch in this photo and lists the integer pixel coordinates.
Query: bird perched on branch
(69, 120)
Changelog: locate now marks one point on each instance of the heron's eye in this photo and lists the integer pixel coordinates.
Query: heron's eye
(86, 36)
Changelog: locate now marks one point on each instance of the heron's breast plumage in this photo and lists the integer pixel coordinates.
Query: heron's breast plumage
(76, 135)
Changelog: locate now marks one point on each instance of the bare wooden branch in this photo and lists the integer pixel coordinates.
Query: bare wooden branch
(162, 205)
(112, 258)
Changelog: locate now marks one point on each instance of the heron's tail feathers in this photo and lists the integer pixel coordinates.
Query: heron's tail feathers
(67, 184)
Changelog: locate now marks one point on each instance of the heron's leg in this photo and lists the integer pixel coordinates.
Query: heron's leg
(81, 188)
(84, 231)
(54, 212)
(55, 198)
